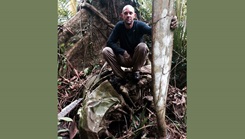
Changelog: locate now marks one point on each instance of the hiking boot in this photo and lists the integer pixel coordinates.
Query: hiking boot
(117, 81)
(136, 76)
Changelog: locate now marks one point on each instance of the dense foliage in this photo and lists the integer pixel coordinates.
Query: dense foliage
(64, 11)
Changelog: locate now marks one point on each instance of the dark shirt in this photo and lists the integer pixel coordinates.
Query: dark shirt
(128, 38)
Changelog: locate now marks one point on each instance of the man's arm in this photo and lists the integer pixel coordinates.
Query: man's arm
(113, 39)
(145, 28)
(173, 25)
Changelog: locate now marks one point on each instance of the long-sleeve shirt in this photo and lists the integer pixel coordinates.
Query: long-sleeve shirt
(128, 38)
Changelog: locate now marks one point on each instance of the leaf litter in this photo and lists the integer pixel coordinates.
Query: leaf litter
(127, 113)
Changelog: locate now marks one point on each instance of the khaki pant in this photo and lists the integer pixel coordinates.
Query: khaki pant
(117, 61)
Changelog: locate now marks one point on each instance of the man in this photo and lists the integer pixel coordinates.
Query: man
(132, 51)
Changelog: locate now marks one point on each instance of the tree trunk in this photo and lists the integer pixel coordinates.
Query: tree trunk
(162, 57)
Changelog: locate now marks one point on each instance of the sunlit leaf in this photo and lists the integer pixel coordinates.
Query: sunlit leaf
(67, 119)
(63, 130)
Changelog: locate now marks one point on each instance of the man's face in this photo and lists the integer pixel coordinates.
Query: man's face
(128, 15)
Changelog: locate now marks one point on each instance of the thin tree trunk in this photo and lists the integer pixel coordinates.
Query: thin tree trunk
(162, 38)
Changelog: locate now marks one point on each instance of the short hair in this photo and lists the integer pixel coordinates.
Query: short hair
(126, 6)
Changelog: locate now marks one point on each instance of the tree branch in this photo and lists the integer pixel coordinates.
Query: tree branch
(98, 13)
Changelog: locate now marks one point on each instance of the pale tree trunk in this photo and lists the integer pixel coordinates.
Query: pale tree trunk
(162, 38)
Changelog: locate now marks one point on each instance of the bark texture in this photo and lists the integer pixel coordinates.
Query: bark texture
(162, 57)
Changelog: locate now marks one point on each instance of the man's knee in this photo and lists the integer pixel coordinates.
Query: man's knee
(142, 46)
(106, 50)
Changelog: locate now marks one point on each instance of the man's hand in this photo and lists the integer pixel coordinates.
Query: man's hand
(174, 23)
(125, 54)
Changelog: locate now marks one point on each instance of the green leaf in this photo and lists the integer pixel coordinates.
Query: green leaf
(63, 130)
(87, 71)
(67, 119)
